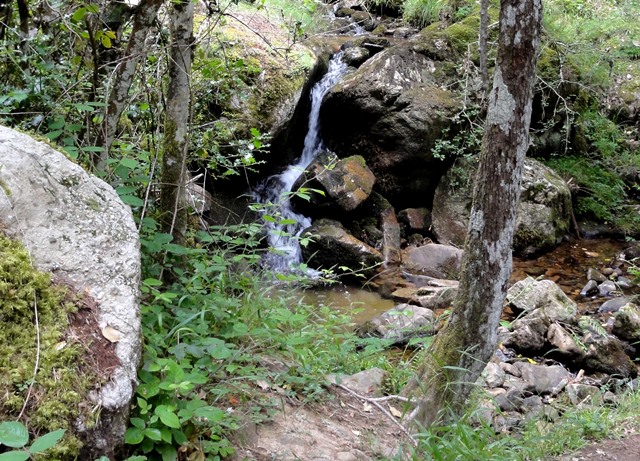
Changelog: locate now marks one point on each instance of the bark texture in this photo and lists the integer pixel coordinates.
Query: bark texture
(176, 125)
(145, 15)
(461, 350)
(482, 40)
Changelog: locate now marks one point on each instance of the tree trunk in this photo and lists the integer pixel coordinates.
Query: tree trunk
(145, 15)
(462, 348)
(482, 41)
(175, 142)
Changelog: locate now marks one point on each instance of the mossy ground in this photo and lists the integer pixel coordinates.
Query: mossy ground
(59, 388)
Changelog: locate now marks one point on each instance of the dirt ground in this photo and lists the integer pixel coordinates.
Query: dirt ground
(626, 449)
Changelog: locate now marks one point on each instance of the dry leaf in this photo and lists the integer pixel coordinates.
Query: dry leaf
(111, 334)
(591, 254)
(367, 407)
(356, 432)
(61, 345)
(262, 384)
(395, 412)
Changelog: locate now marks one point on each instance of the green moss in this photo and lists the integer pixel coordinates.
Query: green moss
(59, 387)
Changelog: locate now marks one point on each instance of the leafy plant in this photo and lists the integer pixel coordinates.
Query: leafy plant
(14, 434)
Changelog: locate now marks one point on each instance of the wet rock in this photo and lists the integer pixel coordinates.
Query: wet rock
(607, 354)
(543, 212)
(332, 246)
(594, 274)
(613, 305)
(402, 323)
(590, 288)
(545, 297)
(390, 237)
(607, 288)
(624, 282)
(564, 343)
(626, 323)
(545, 379)
(344, 182)
(584, 394)
(439, 261)
(355, 56)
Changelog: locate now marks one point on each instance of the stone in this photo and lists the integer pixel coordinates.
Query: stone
(355, 55)
(607, 354)
(544, 379)
(529, 295)
(493, 375)
(590, 288)
(404, 322)
(607, 288)
(390, 237)
(595, 275)
(626, 323)
(624, 282)
(345, 183)
(544, 210)
(414, 220)
(584, 394)
(332, 246)
(529, 334)
(76, 227)
(440, 295)
(564, 343)
(434, 260)
(366, 383)
(613, 305)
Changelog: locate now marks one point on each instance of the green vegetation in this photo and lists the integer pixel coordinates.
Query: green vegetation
(34, 313)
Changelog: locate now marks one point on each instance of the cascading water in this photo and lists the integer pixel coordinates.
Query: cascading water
(274, 193)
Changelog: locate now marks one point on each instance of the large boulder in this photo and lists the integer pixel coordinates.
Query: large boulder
(75, 226)
(331, 246)
(342, 183)
(392, 109)
(544, 211)
(434, 260)
(544, 299)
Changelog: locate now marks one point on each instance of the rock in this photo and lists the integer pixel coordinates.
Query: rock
(367, 383)
(439, 294)
(590, 288)
(355, 55)
(414, 220)
(404, 322)
(434, 260)
(390, 238)
(394, 108)
(624, 282)
(76, 226)
(493, 375)
(564, 343)
(607, 288)
(613, 305)
(544, 210)
(344, 182)
(545, 379)
(332, 246)
(607, 355)
(626, 323)
(593, 274)
(583, 393)
(529, 295)
(528, 334)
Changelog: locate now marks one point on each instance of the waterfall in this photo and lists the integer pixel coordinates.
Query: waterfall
(283, 231)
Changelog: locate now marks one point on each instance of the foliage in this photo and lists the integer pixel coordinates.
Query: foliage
(14, 434)
(33, 313)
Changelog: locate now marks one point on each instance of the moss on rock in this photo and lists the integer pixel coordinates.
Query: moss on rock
(33, 313)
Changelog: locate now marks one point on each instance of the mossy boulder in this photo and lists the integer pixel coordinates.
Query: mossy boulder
(75, 226)
(544, 211)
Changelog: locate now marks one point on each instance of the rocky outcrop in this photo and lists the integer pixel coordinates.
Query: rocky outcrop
(75, 226)
(331, 183)
(332, 246)
(392, 110)
(544, 210)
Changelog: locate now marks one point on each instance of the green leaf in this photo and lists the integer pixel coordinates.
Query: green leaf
(153, 434)
(167, 416)
(15, 456)
(46, 441)
(136, 458)
(13, 434)
(132, 200)
(152, 282)
(53, 134)
(133, 436)
(137, 422)
(168, 453)
(130, 163)
(106, 41)
(79, 14)
(212, 414)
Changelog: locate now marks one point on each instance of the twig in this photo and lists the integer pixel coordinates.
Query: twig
(37, 364)
(376, 401)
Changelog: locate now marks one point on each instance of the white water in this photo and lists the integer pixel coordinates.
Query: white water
(283, 234)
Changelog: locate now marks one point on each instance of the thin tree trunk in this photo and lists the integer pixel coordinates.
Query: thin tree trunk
(462, 348)
(175, 141)
(145, 15)
(483, 39)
